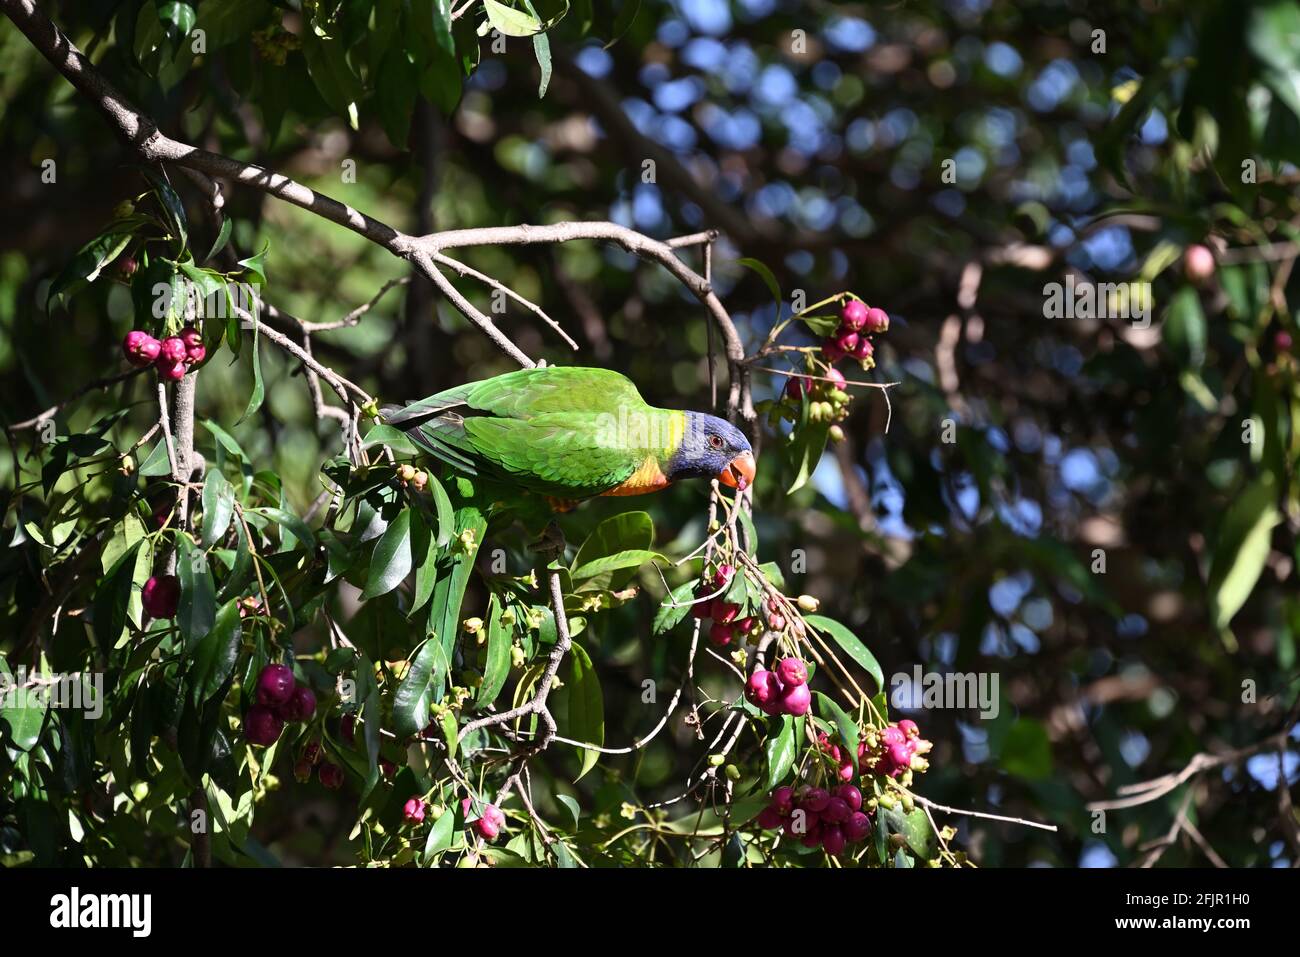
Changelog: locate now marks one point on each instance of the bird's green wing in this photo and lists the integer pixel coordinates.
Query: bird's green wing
(530, 392)
(564, 454)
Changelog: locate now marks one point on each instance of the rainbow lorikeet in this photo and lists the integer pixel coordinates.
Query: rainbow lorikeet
(572, 434)
(562, 433)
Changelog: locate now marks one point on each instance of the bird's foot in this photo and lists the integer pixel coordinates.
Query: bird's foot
(551, 543)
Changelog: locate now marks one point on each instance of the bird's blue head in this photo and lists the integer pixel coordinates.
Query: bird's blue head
(712, 448)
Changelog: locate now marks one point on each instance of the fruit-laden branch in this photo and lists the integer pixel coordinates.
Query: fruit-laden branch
(152, 146)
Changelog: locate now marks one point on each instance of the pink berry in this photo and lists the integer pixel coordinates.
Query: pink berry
(720, 633)
(833, 840)
(837, 810)
(1282, 341)
(195, 355)
(725, 611)
(791, 671)
(846, 770)
(762, 687)
(311, 752)
(900, 754)
(853, 314)
(909, 728)
(1198, 263)
(171, 371)
(302, 770)
(160, 596)
(745, 625)
(832, 350)
(172, 349)
(815, 800)
(846, 339)
(300, 706)
(783, 799)
(140, 348)
(850, 796)
(836, 377)
(857, 827)
(331, 776)
(769, 819)
(262, 726)
(387, 768)
(796, 700)
(702, 609)
(796, 389)
(275, 685)
(864, 350)
(348, 728)
(413, 811)
(892, 735)
(486, 829)
(776, 622)
(723, 576)
(877, 320)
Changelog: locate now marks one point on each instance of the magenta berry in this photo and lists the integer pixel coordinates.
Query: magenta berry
(850, 796)
(413, 811)
(833, 840)
(762, 688)
(171, 371)
(160, 596)
(722, 577)
(877, 320)
(836, 377)
(815, 800)
(348, 728)
(195, 351)
(791, 671)
(140, 348)
(864, 350)
(720, 633)
(853, 314)
(796, 700)
(331, 776)
(783, 799)
(847, 340)
(725, 611)
(769, 819)
(300, 706)
(262, 726)
(857, 827)
(1198, 263)
(837, 810)
(275, 686)
(172, 350)
(909, 728)
(796, 389)
(832, 350)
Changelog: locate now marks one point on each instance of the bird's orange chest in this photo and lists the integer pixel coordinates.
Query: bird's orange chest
(648, 478)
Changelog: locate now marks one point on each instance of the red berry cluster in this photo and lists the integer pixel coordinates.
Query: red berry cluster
(858, 323)
(279, 699)
(490, 824)
(895, 750)
(726, 625)
(160, 596)
(817, 817)
(782, 691)
(172, 356)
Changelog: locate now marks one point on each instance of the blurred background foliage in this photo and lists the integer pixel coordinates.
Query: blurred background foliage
(1095, 140)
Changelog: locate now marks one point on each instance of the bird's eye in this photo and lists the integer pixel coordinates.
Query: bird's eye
(715, 441)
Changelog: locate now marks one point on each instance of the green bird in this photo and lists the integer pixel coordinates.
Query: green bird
(572, 434)
(564, 433)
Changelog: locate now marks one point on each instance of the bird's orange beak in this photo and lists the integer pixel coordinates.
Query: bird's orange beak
(740, 473)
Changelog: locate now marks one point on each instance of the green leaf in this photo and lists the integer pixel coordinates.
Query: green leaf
(259, 389)
(218, 506)
(625, 532)
(446, 514)
(1184, 328)
(511, 22)
(327, 63)
(227, 21)
(288, 522)
(780, 751)
(603, 567)
(213, 658)
(87, 265)
(850, 644)
(391, 562)
(768, 279)
(573, 807)
(113, 598)
(395, 439)
(584, 712)
(809, 441)
(424, 555)
(21, 713)
(542, 50)
(497, 668)
(396, 87)
(177, 19)
(673, 610)
(1242, 548)
(847, 727)
(915, 828)
(428, 670)
(440, 835)
(197, 610)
